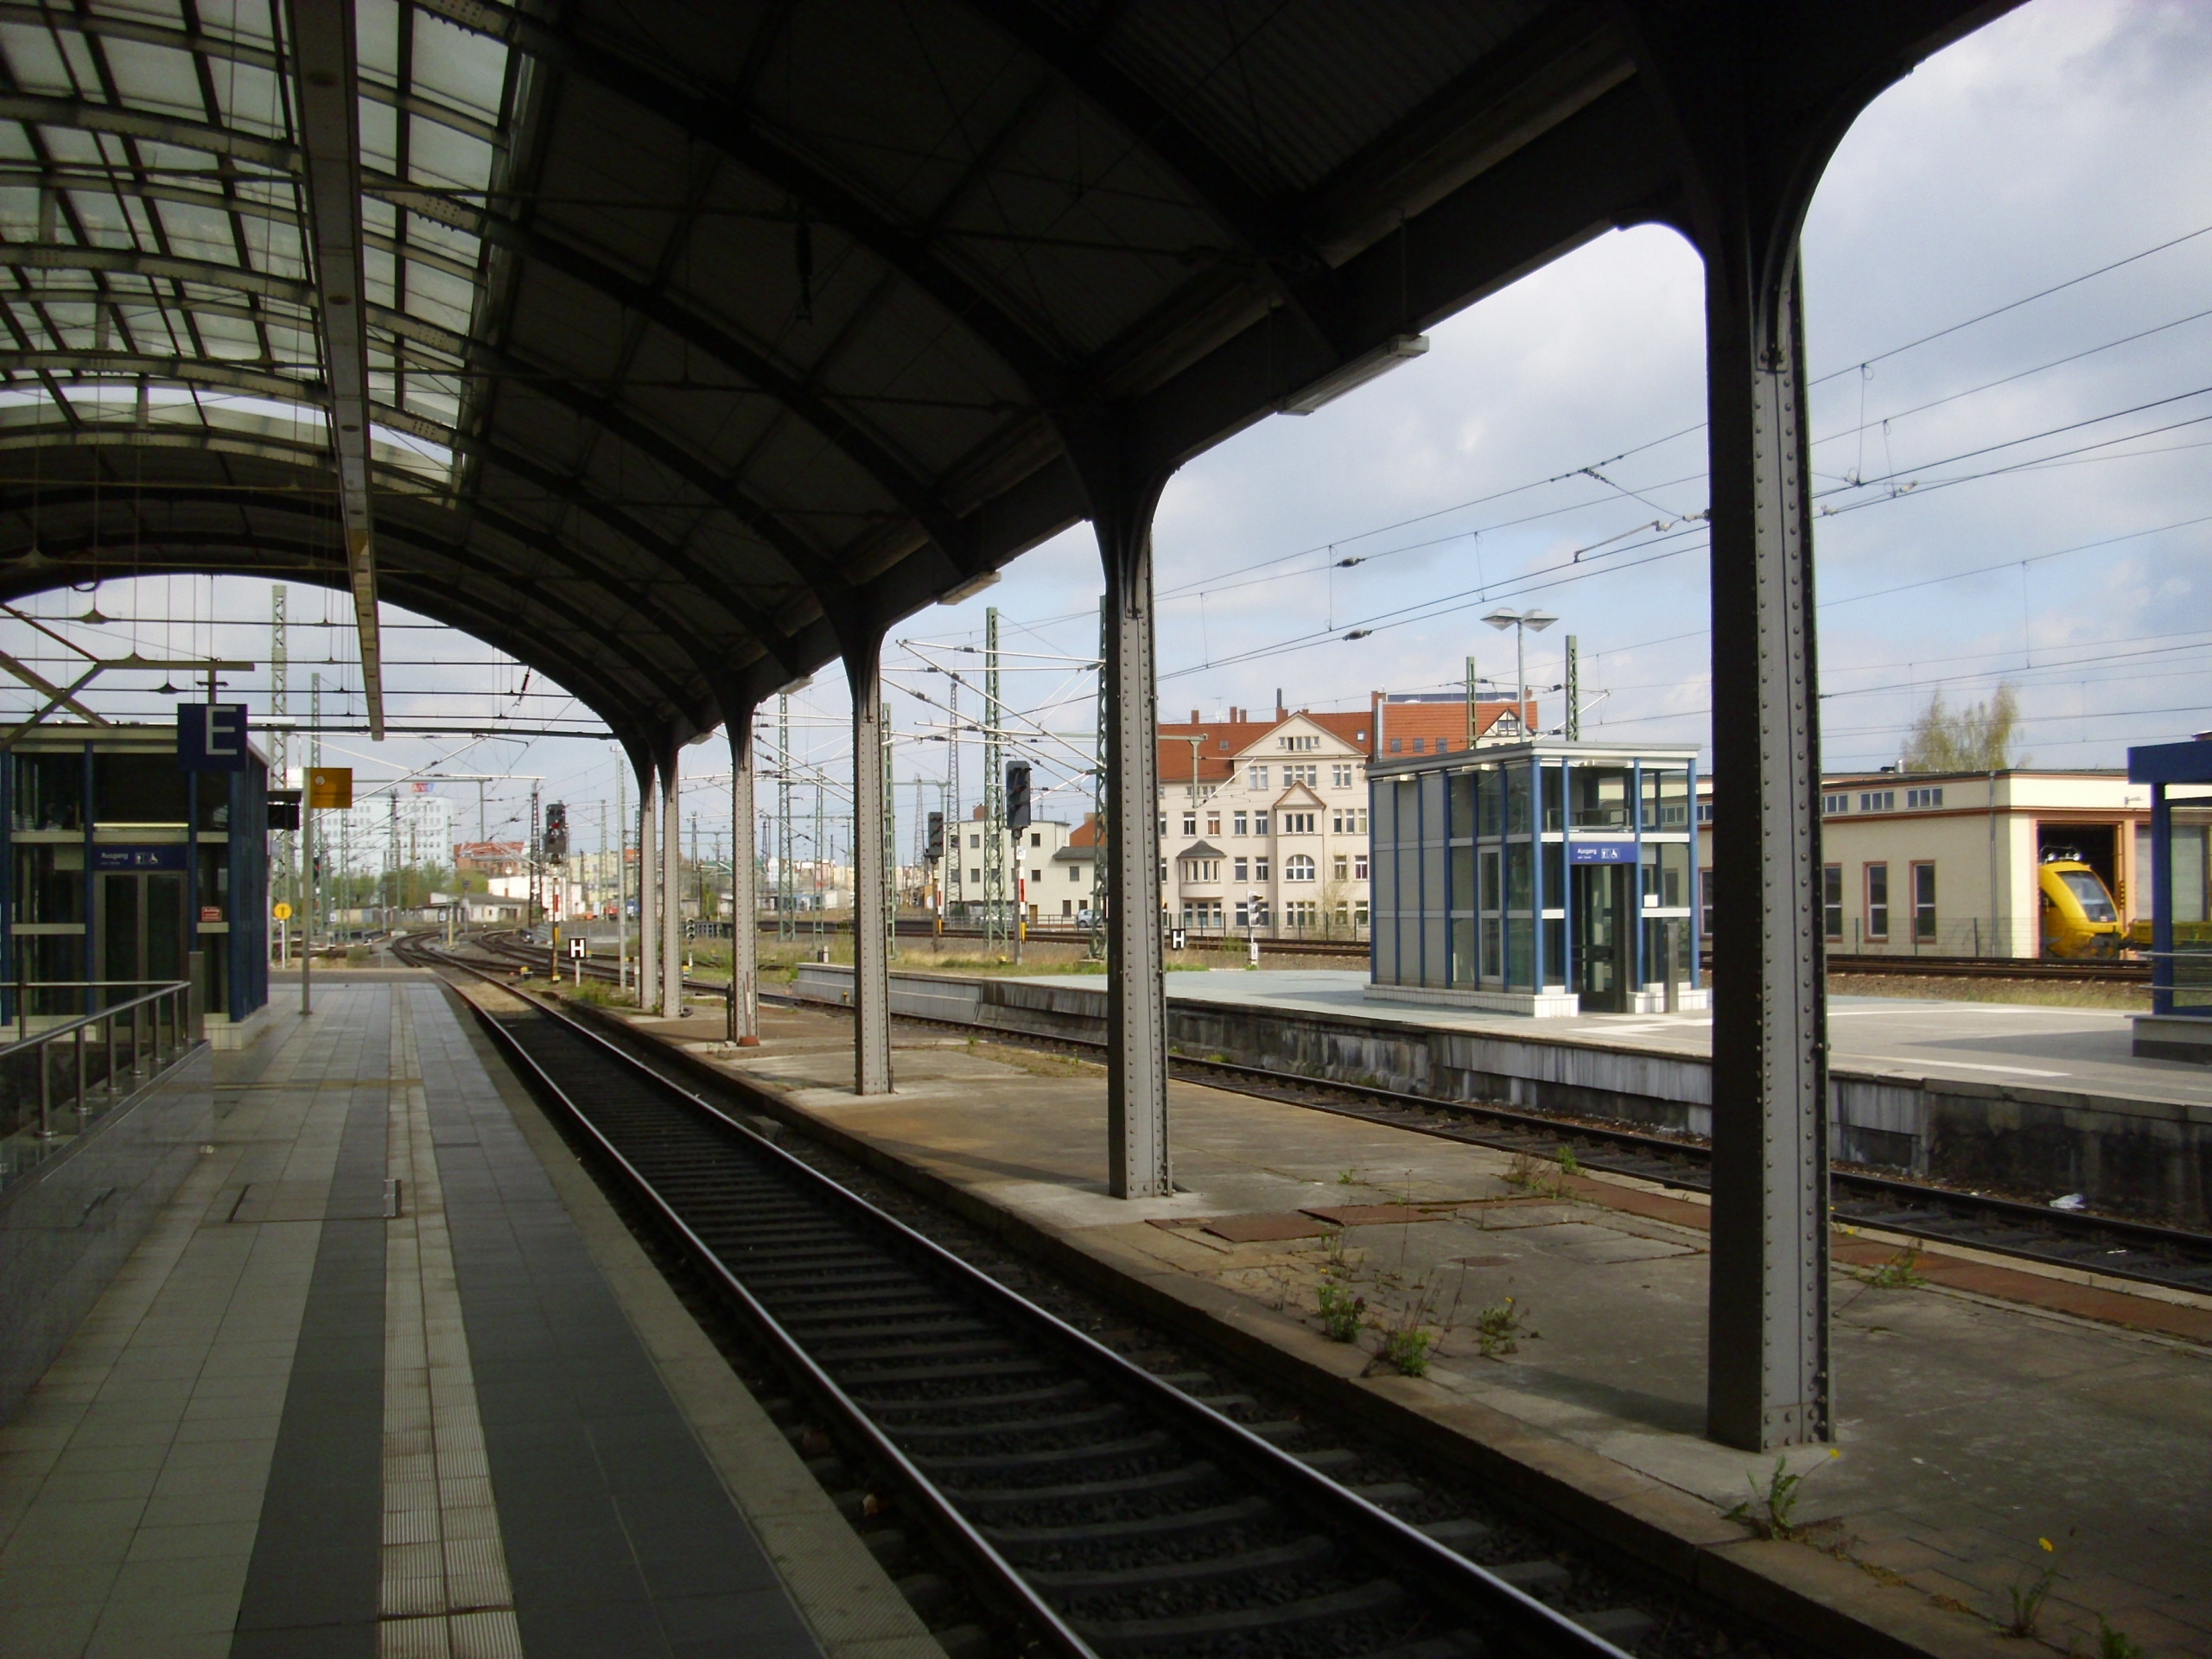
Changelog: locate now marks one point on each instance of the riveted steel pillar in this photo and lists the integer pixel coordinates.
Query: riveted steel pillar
(648, 891)
(671, 887)
(1768, 1378)
(744, 900)
(1136, 1003)
(871, 951)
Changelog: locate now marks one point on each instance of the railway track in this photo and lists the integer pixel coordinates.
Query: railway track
(2117, 1246)
(1101, 1508)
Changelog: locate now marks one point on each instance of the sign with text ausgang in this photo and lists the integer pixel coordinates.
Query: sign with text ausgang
(1601, 852)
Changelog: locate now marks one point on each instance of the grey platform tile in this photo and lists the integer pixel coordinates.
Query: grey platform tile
(313, 1585)
(620, 1538)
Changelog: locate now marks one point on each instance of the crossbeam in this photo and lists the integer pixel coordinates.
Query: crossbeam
(326, 86)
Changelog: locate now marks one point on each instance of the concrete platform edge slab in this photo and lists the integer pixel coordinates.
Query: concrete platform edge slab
(840, 1589)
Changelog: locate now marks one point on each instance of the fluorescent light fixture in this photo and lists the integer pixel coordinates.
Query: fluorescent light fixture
(970, 587)
(1358, 372)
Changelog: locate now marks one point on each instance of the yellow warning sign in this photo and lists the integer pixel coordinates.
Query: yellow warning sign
(282, 912)
(330, 788)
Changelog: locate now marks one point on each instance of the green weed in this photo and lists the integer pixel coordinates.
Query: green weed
(2029, 1596)
(1342, 1312)
(1770, 1513)
(1406, 1350)
(1569, 1163)
(2114, 1643)
(1900, 1272)
(1500, 1328)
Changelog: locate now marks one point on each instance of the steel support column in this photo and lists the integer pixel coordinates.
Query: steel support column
(648, 891)
(672, 886)
(744, 878)
(1767, 1378)
(1136, 1002)
(871, 949)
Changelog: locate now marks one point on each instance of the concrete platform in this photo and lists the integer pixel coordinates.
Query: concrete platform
(1982, 1406)
(2031, 1100)
(299, 1423)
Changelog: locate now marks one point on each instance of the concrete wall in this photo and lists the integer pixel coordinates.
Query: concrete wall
(2151, 1157)
(69, 1224)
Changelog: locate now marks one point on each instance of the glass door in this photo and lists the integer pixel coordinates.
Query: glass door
(141, 929)
(1601, 964)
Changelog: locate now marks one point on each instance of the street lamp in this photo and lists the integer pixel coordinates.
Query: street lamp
(1505, 617)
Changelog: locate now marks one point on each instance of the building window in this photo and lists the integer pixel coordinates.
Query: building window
(975, 842)
(1397, 745)
(1421, 746)
(1920, 798)
(1340, 777)
(1242, 867)
(1259, 823)
(1036, 838)
(1359, 866)
(1359, 913)
(1259, 778)
(1243, 914)
(1067, 906)
(975, 876)
(1877, 901)
(1878, 800)
(1705, 812)
(1238, 825)
(1075, 872)
(1190, 824)
(1297, 824)
(1705, 903)
(1213, 823)
(1298, 867)
(1924, 904)
(1832, 902)
(1830, 805)
(1343, 867)
(1259, 870)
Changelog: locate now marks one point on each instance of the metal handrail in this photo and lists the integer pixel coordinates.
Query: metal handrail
(144, 1036)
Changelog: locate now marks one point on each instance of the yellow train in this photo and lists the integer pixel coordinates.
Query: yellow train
(2079, 918)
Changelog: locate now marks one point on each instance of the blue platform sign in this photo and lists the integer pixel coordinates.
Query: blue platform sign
(1601, 852)
(167, 855)
(211, 737)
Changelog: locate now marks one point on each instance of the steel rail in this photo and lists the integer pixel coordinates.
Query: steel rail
(1401, 1551)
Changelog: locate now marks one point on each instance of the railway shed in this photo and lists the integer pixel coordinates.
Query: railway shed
(442, 309)
(681, 352)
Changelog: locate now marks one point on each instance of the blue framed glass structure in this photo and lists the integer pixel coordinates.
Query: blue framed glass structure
(117, 867)
(2179, 1024)
(1540, 878)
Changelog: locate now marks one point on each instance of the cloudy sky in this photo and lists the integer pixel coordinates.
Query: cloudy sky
(2018, 496)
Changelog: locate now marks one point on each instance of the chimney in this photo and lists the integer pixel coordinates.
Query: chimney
(1194, 716)
(1282, 713)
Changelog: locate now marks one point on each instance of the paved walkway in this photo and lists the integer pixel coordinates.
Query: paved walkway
(1977, 1413)
(299, 1425)
(2084, 1050)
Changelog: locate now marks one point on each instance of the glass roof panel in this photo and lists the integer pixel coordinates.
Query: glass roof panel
(170, 156)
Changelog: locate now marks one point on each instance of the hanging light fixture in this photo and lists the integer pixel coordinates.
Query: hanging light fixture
(165, 690)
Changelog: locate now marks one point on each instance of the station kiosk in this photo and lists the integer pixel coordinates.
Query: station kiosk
(1545, 878)
(123, 869)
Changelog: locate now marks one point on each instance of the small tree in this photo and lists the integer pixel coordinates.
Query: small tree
(1977, 738)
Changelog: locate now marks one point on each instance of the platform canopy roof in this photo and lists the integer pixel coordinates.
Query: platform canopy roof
(672, 347)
